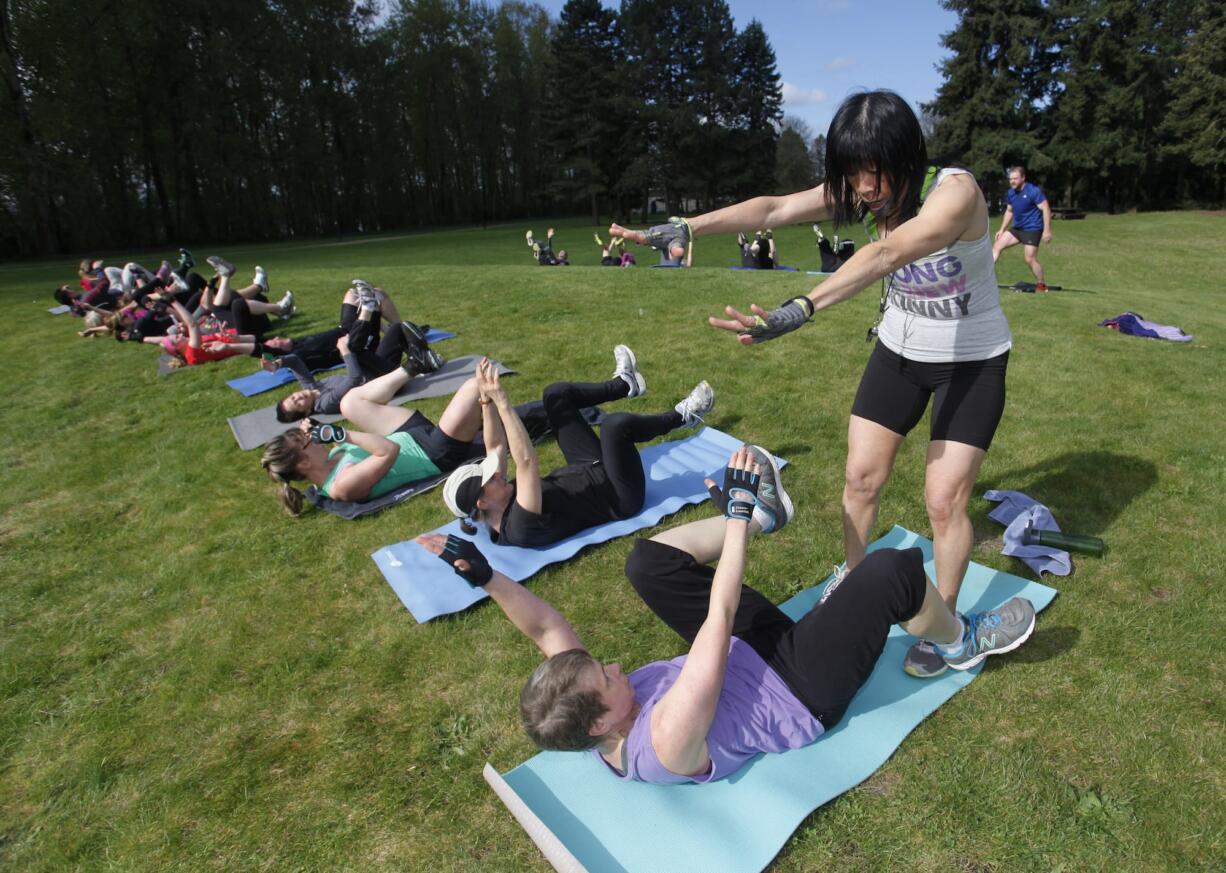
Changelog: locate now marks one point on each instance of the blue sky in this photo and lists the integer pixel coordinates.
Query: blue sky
(828, 49)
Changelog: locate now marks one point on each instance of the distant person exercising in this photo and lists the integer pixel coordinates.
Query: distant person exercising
(759, 254)
(544, 253)
(1031, 216)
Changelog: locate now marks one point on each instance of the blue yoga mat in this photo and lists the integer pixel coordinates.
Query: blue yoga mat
(258, 383)
(675, 470)
(575, 810)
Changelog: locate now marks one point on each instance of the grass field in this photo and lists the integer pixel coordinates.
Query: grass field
(191, 680)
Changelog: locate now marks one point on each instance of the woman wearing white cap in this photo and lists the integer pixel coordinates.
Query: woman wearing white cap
(603, 480)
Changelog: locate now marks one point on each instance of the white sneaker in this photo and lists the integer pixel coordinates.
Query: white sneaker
(627, 369)
(697, 405)
(261, 279)
(287, 304)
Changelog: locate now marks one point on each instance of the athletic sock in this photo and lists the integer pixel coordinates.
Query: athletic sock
(955, 649)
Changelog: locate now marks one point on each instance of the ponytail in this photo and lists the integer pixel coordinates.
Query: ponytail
(291, 499)
(280, 461)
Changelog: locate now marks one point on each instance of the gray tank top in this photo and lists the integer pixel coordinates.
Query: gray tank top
(945, 306)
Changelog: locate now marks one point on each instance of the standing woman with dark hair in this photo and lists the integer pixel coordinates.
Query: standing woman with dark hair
(942, 335)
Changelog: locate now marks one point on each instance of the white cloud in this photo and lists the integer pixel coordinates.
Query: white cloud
(794, 96)
(840, 64)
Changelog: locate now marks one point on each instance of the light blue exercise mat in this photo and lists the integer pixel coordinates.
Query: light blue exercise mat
(262, 380)
(675, 473)
(583, 818)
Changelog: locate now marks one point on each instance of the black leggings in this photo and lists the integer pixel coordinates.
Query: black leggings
(826, 656)
(615, 448)
(238, 315)
(375, 355)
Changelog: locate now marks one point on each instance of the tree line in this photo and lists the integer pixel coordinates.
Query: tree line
(131, 122)
(1112, 104)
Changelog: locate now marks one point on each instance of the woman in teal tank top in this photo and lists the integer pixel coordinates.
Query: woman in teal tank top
(390, 447)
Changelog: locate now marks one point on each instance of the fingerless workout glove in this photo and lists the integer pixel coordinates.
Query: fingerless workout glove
(327, 433)
(790, 315)
(479, 571)
(739, 495)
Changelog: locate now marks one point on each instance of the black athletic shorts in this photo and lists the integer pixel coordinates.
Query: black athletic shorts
(444, 452)
(970, 396)
(1027, 237)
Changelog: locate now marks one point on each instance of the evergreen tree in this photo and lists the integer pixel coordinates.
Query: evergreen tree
(1117, 58)
(759, 111)
(1195, 124)
(794, 168)
(583, 110)
(998, 75)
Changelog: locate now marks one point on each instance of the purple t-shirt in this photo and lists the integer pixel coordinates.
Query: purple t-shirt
(757, 712)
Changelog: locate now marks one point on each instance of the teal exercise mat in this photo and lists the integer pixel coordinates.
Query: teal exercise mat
(675, 471)
(584, 818)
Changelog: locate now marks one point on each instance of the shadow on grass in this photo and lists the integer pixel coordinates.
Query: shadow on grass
(1046, 643)
(1084, 490)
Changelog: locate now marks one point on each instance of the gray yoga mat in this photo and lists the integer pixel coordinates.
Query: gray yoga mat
(254, 429)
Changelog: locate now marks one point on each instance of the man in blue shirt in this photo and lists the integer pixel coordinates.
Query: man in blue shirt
(1030, 213)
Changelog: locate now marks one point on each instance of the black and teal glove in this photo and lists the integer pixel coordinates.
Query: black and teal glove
(790, 315)
(479, 571)
(327, 433)
(739, 495)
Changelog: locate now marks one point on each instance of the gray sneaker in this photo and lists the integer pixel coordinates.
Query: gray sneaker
(286, 304)
(774, 509)
(923, 661)
(627, 369)
(994, 632)
(663, 236)
(220, 265)
(261, 279)
(697, 405)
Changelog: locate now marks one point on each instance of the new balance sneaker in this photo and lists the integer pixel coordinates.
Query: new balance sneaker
(261, 279)
(694, 408)
(923, 661)
(993, 632)
(627, 370)
(186, 261)
(286, 304)
(220, 265)
(596, 237)
(742, 240)
(1041, 287)
(774, 508)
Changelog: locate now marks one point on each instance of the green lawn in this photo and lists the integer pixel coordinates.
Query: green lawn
(191, 680)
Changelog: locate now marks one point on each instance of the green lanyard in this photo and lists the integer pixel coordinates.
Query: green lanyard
(870, 227)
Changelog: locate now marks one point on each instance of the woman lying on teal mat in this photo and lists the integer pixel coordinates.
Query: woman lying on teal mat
(753, 680)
